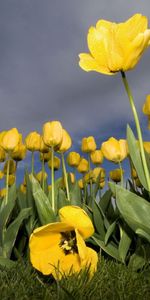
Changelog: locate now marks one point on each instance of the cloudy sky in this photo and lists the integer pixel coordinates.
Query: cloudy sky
(40, 79)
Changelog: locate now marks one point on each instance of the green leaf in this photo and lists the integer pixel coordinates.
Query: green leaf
(75, 195)
(136, 156)
(98, 219)
(109, 232)
(45, 212)
(124, 245)
(62, 201)
(143, 234)
(110, 248)
(134, 209)
(105, 200)
(5, 262)
(12, 231)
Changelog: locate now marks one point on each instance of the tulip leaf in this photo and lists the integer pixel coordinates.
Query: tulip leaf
(6, 262)
(135, 156)
(62, 201)
(12, 231)
(75, 195)
(45, 212)
(105, 200)
(143, 234)
(134, 209)
(109, 232)
(124, 245)
(110, 248)
(98, 219)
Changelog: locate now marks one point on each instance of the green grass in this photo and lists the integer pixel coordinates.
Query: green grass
(111, 281)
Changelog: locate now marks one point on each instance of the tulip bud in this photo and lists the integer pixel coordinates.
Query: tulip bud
(56, 163)
(102, 184)
(147, 147)
(65, 143)
(88, 144)
(71, 177)
(83, 166)
(45, 156)
(1, 175)
(40, 175)
(12, 167)
(97, 157)
(33, 141)
(43, 147)
(115, 150)
(23, 188)
(116, 175)
(9, 139)
(134, 173)
(146, 109)
(3, 192)
(19, 153)
(80, 183)
(52, 133)
(11, 179)
(73, 159)
(2, 155)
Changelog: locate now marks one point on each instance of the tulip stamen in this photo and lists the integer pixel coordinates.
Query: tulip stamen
(68, 242)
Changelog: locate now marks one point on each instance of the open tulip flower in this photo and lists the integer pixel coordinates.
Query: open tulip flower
(59, 248)
(115, 47)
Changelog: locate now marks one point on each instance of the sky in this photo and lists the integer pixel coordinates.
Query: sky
(40, 79)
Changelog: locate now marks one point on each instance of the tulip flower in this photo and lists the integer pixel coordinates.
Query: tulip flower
(97, 157)
(115, 46)
(81, 183)
(59, 248)
(3, 192)
(83, 166)
(147, 147)
(19, 152)
(116, 175)
(56, 163)
(45, 156)
(12, 167)
(146, 109)
(66, 142)
(9, 139)
(73, 159)
(115, 150)
(33, 141)
(2, 155)
(41, 176)
(52, 133)
(43, 147)
(88, 144)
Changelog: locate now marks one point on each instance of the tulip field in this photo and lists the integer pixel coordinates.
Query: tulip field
(87, 222)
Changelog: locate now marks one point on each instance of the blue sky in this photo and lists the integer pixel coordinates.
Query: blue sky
(40, 79)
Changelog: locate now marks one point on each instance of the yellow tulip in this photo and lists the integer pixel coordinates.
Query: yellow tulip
(97, 157)
(3, 192)
(9, 139)
(94, 174)
(83, 166)
(45, 156)
(52, 133)
(33, 141)
(11, 179)
(134, 173)
(1, 175)
(59, 248)
(81, 183)
(73, 159)
(146, 109)
(12, 167)
(147, 147)
(102, 184)
(2, 155)
(43, 147)
(19, 153)
(116, 175)
(115, 46)
(115, 150)
(71, 177)
(56, 163)
(88, 144)
(40, 175)
(65, 143)
(23, 188)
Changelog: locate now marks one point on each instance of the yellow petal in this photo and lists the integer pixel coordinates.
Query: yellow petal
(135, 25)
(88, 63)
(82, 249)
(91, 261)
(78, 218)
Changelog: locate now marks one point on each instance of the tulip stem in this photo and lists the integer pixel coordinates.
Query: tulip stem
(91, 188)
(43, 172)
(53, 179)
(65, 176)
(138, 128)
(32, 163)
(7, 178)
(121, 171)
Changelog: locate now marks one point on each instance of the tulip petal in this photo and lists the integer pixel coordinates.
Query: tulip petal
(82, 249)
(135, 25)
(91, 261)
(88, 63)
(78, 218)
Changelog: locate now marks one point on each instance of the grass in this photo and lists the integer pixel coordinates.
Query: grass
(112, 281)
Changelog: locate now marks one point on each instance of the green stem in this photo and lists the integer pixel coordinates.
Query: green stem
(138, 128)
(43, 172)
(32, 163)
(91, 187)
(53, 179)
(65, 176)
(121, 171)
(7, 178)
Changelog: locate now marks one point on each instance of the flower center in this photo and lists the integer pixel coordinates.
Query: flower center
(68, 242)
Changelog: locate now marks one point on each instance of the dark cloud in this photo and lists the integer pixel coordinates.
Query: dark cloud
(40, 79)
